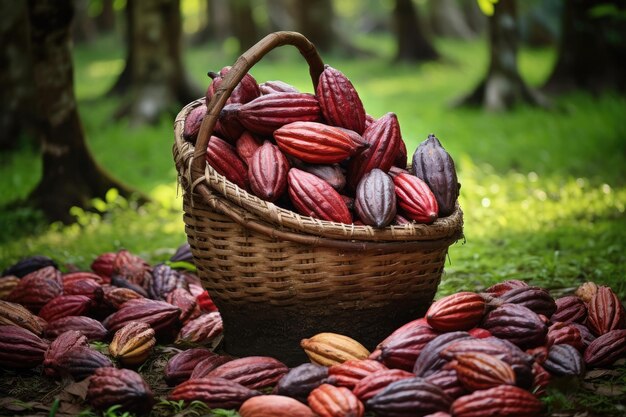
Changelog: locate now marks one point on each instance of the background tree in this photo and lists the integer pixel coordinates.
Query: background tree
(592, 49)
(413, 45)
(105, 19)
(503, 86)
(243, 24)
(154, 79)
(70, 175)
(447, 20)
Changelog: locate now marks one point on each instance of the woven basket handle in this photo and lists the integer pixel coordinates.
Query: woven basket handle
(239, 69)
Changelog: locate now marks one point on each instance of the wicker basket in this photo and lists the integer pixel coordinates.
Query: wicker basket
(277, 276)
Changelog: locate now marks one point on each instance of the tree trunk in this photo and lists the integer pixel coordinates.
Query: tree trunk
(592, 49)
(244, 26)
(70, 175)
(83, 27)
(503, 87)
(474, 17)
(158, 81)
(105, 21)
(124, 80)
(448, 21)
(17, 110)
(314, 19)
(412, 42)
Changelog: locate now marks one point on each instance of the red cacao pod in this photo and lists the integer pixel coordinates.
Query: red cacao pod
(415, 199)
(246, 145)
(541, 379)
(569, 309)
(64, 306)
(180, 366)
(201, 330)
(407, 327)
(214, 392)
(301, 380)
(517, 324)
(561, 333)
(273, 406)
(401, 156)
(103, 265)
(459, 311)
(267, 172)
(348, 373)
(375, 382)
(115, 297)
(277, 86)
(91, 328)
(132, 268)
(246, 90)
(500, 288)
(433, 165)
(254, 372)
(111, 386)
(339, 101)
(409, 397)
(222, 156)
(267, 113)
(20, 348)
(606, 349)
(192, 123)
(331, 401)
(314, 197)
(63, 343)
(183, 299)
(605, 312)
(375, 199)
(37, 288)
(501, 401)
(88, 287)
(478, 371)
(401, 349)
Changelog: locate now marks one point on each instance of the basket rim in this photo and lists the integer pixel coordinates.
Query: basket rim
(448, 228)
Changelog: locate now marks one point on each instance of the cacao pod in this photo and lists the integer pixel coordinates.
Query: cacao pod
(448, 380)
(375, 199)
(535, 298)
(228, 126)
(564, 360)
(500, 288)
(20, 348)
(569, 309)
(120, 281)
(314, 197)
(64, 306)
(605, 312)
(459, 311)
(585, 334)
(81, 362)
(430, 361)
(13, 314)
(267, 171)
(65, 342)
(183, 299)
(606, 349)
(339, 101)
(586, 291)
(350, 372)
(208, 364)
(273, 406)
(132, 268)
(37, 288)
(401, 349)
(103, 265)
(28, 265)
(111, 386)
(401, 156)
(180, 366)
(164, 280)
(517, 324)
(277, 86)
(331, 401)
(132, 344)
(246, 90)
(222, 156)
(433, 165)
(90, 328)
(501, 401)
(415, 198)
(161, 316)
(203, 329)
(7, 284)
(332, 174)
(331, 348)
(407, 327)
(114, 297)
(87, 286)
(301, 380)
(214, 392)
(375, 382)
(192, 123)
(541, 379)
(409, 397)
(478, 371)
(564, 334)
(246, 145)
(254, 372)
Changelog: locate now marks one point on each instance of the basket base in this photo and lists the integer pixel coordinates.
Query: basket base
(277, 331)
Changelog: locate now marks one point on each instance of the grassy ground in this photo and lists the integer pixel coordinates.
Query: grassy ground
(543, 192)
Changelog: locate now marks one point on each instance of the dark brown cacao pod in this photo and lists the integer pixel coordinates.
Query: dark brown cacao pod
(301, 380)
(433, 165)
(20, 348)
(517, 324)
(375, 199)
(27, 265)
(180, 366)
(409, 397)
(401, 349)
(331, 173)
(606, 349)
(267, 172)
(564, 360)
(81, 362)
(336, 95)
(535, 298)
(111, 386)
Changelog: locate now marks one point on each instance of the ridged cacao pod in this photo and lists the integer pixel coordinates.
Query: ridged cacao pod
(409, 397)
(88, 287)
(246, 90)
(162, 316)
(7, 284)
(273, 406)
(164, 280)
(564, 360)
(520, 362)
(517, 324)
(64, 306)
(501, 401)
(192, 123)
(182, 254)
(115, 297)
(331, 401)
(459, 311)
(81, 362)
(314, 197)
(407, 327)
(200, 330)
(541, 379)
(13, 314)
(132, 268)
(265, 114)
(329, 349)
(448, 380)
(180, 366)
(561, 333)
(103, 265)
(246, 145)
(401, 349)
(20, 348)
(30, 264)
(339, 101)
(222, 156)
(66, 341)
(183, 299)
(206, 365)
(228, 126)
(535, 298)
(277, 86)
(111, 386)
(350, 372)
(430, 361)
(301, 380)
(478, 371)
(605, 312)
(73, 277)
(315, 143)
(132, 344)
(375, 382)
(383, 137)
(331, 173)
(254, 372)
(267, 172)
(415, 199)
(586, 291)
(375, 199)
(91, 328)
(569, 309)
(500, 288)
(433, 165)
(606, 349)
(37, 288)
(214, 392)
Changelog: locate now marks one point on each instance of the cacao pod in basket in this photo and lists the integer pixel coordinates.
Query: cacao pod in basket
(267, 172)
(314, 197)
(331, 173)
(415, 199)
(192, 123)
(277, 86)
(375, 199)
(222, 156)
(246, 145)
(246, 90)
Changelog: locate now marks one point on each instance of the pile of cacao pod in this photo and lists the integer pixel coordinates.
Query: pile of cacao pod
(472, 354)
(323, 156)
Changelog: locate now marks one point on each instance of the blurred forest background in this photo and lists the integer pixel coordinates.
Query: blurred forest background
(527, 97)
